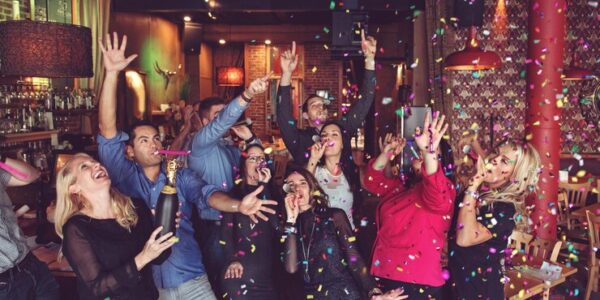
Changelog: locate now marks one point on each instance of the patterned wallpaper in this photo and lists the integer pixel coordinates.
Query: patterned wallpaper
(477, 97)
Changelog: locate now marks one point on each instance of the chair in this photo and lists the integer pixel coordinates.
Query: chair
(576, 196)
(594, 261)
(519, 240)
(563, 209)
(544, 249)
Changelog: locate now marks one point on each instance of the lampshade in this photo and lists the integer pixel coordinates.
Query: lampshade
(472, 58)
(45, 49)
(573, 72)
(230, 76)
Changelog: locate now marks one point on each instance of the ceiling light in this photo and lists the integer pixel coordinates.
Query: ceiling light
(222, 41)
(472, 58)
(268, 42)
(187, 18)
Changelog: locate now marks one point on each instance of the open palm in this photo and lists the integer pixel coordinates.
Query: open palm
(113, 55)
(368, 45)
(428, 139)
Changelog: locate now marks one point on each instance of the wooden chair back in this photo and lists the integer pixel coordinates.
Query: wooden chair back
(519, 240)
(576, 193)
(544, 249)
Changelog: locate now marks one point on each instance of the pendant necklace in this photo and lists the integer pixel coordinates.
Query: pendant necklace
(306, 252)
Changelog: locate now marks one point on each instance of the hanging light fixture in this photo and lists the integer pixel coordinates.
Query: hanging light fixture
(230, 76)
(472, 57)
(575, 73)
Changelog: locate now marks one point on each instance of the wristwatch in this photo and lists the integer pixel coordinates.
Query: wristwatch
(246, 98)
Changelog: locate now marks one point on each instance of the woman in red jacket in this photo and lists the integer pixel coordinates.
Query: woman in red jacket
(412, 223)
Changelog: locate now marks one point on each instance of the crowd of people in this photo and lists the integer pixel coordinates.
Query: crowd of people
(240, 236)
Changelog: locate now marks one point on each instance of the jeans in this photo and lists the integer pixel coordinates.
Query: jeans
(412, 290)
(197, 288)
(32, 280)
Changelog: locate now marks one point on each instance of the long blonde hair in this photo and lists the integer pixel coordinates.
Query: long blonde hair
(68, 204)
(523, 180)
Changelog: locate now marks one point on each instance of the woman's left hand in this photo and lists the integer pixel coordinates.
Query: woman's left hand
(397, 294)
(264, 175)
(235, 270)
(428, 139)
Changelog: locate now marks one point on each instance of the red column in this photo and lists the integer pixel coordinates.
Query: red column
(545, 47)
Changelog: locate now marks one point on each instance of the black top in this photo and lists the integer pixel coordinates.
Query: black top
(477, 270)
(329, 261)
(251, 244)
(102, 254)
(298, 141)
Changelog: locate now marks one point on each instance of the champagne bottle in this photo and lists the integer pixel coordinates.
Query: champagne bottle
(168, 203)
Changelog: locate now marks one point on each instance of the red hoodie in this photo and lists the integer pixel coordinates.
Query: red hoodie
(411, 226)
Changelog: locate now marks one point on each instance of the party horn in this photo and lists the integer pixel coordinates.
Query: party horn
(13, 171)
(172, 152)
(246, 122)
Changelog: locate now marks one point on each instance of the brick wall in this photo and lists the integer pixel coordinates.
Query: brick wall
(320, 73)
(255, 62)
(326, 76)
(6, 10)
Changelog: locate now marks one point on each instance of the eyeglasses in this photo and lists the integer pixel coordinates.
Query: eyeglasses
(256, 159)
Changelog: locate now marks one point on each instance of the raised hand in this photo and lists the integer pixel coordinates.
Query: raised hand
(235, 270)
(428, 139)
(258, 86)
(264, 175)
(317, 150)
(479, 176)
(242, 131)
(394, 146)
(292, 208)
(384, 141)
(289, 60)
(369, 45)
(113, 55)
(254, 207)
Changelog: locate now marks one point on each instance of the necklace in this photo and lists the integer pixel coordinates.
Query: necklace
(306, 252)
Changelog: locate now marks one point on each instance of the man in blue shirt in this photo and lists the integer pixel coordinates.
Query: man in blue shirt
(182, 276)
(216, 159)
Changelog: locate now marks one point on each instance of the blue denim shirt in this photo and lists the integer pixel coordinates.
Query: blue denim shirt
(185, 261)
(212, 157)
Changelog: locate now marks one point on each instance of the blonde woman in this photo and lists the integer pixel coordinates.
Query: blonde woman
(107, 238)
(491, 204)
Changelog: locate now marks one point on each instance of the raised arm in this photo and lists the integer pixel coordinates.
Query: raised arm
(215, 129)
(374, 178)
(316, 153)
(21, 173)
(290, 256)
(114, 62)
(470, 231)
(179, 140)
(347, 240)
(359, 110)
(285, 120)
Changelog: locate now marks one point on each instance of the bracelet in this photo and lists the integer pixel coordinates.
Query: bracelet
(252, 138)
(475, 195)
(375, 292)
(290, 229)
(246, 98)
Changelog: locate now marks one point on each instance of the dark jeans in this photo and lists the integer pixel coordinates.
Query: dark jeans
(413, 291)
(213, 253)
(31, 280)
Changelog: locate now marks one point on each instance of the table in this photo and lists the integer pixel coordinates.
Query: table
(524, 286)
